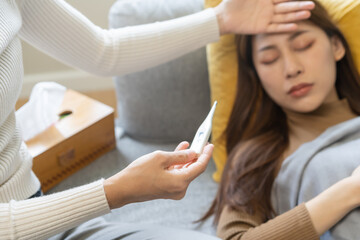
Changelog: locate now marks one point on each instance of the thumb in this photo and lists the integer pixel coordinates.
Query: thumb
(182, 146)
(199, 166)
(179, 157)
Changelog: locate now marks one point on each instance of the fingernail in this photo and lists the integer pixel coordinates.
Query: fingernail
(309, 4)
(209, 148)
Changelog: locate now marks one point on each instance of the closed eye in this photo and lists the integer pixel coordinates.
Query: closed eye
(268, 62)
(307, 46)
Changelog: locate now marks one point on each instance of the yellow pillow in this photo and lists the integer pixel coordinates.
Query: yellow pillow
(346, 13)
(222, 63)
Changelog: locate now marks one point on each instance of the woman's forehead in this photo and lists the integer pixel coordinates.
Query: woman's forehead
(285, 36)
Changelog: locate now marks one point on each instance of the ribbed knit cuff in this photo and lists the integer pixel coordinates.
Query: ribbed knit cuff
(42, 217)
(295, 224)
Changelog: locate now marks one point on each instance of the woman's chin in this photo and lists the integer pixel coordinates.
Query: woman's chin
(304, 106)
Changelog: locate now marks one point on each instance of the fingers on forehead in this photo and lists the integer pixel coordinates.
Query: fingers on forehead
(290, 17)
(275, 28)
(280, 1)
(285, 7)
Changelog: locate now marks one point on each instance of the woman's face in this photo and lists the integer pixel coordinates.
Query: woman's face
(298, 69)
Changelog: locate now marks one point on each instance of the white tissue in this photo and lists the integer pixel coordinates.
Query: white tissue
(42, 109)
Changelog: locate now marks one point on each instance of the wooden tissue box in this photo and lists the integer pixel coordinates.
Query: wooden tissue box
(84, 132)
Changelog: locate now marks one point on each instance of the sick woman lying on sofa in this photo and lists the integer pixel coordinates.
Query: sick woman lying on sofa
(293, 138)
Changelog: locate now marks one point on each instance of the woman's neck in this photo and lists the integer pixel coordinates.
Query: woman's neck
(305, 127)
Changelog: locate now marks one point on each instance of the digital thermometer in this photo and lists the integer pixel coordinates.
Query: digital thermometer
(203, 133)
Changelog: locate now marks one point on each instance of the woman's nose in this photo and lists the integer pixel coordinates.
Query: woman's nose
(293, 66)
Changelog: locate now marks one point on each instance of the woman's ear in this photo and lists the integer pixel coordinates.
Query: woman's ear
(338, 48)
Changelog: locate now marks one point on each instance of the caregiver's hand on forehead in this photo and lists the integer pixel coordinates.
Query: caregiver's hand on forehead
(259, 16)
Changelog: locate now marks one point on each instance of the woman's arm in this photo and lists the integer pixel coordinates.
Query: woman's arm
(295, 225)
(335, 202)
(311, 219)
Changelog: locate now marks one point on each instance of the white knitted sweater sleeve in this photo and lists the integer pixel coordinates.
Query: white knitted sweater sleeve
(61, 31)
(42, 217)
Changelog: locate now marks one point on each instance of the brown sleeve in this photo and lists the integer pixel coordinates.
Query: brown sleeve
(294, 224)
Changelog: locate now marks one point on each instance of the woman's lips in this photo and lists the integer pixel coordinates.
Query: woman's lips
(300, 90)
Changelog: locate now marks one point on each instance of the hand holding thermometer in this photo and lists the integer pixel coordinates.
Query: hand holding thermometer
(203, 133)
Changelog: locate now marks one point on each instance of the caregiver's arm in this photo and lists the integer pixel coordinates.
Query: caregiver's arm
(148, 177)
(153, 176)
(61, 31)
(334, 203)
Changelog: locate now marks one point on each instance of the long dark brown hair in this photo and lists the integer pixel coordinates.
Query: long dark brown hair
(257, 132)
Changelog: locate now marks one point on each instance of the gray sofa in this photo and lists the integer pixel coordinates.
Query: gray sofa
(158, 108)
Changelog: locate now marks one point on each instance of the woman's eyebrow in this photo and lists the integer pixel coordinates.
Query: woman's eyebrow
(267, 48)
(292, 37)
(296, 34)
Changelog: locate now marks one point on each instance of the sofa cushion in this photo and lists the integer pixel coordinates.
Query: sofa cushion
(166, 103)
